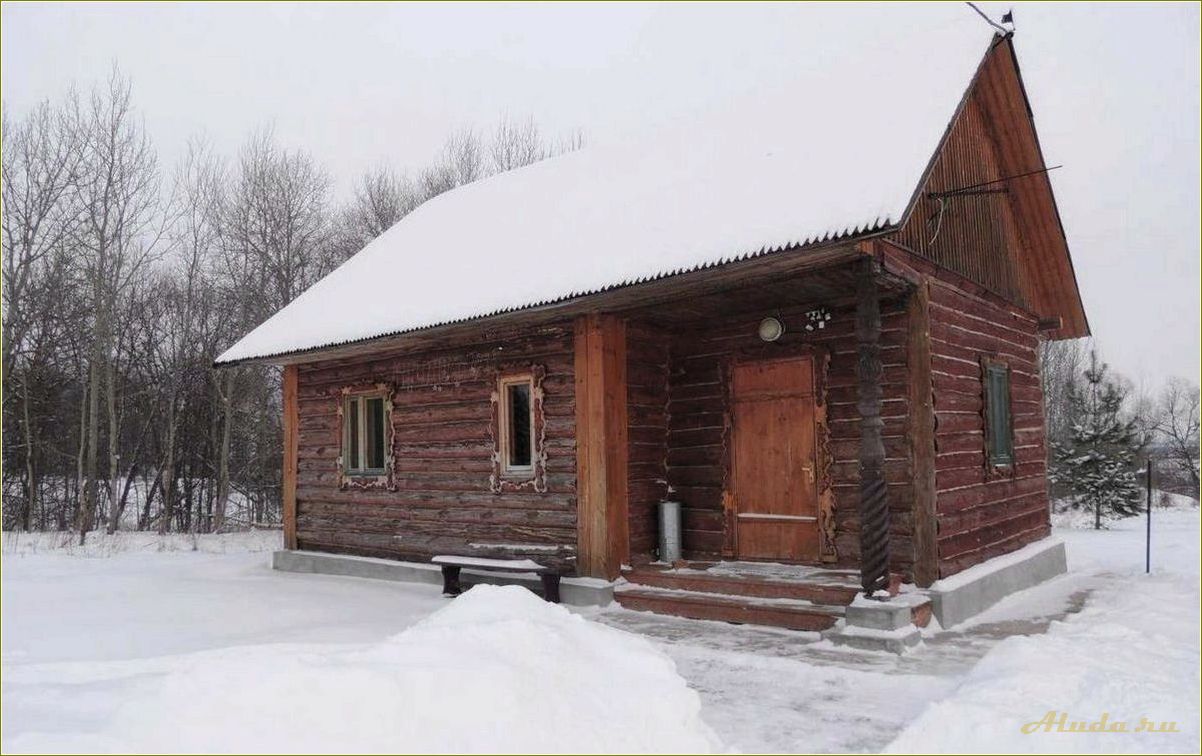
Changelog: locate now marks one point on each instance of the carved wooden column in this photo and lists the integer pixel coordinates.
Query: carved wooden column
(874, 504)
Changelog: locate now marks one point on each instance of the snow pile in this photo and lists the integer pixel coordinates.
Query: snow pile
(498, 670)
(1131, 653)
(99, 544)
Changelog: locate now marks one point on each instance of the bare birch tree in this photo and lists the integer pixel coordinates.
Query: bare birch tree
(118, 193)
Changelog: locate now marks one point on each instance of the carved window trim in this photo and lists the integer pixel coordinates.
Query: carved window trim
(382, 478)
(525, 478)
(997, 463)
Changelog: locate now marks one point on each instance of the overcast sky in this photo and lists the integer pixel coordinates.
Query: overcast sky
(1114, 88)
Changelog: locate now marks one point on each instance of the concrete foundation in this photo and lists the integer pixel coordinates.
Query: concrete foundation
(574, 591)
(971, 592)
(896, 641)
(885, 625)
(878, 615)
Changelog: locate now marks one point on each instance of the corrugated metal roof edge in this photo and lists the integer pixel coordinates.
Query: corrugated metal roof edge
(878, 227)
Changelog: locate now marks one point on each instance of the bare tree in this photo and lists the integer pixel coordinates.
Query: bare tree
(118, 193)
(515, 144)
(180, 292)
(461, 162)
(570, 142)
(275, 237)
(41, 158)
(382, 198)
(1060, 364)
(1177, 424)
(275, 226)
(40, 162)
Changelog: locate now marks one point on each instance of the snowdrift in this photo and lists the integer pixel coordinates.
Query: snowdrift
(1130, 653)
(498, 670)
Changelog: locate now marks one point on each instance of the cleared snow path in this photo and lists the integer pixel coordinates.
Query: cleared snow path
(1074, 643)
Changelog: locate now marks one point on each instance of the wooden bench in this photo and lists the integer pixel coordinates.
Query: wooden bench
(451, 565)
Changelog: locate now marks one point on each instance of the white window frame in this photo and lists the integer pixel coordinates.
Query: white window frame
(506, 424)
(349, 467)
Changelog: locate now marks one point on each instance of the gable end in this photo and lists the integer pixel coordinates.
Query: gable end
(1004, 235)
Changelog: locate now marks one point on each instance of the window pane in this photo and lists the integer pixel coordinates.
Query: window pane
(999, 415)
(352, 435)
(375, 433)
(519, 425)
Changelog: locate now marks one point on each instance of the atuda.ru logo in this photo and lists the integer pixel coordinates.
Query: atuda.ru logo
(1058, 721)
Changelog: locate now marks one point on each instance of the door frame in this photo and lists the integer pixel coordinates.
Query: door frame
(820, 358)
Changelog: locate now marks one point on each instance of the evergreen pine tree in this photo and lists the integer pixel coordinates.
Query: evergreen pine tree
(1097, 462)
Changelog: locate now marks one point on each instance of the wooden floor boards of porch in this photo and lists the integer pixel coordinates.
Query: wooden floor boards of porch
(797, 597)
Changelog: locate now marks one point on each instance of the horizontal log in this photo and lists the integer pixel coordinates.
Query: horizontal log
(997, 491)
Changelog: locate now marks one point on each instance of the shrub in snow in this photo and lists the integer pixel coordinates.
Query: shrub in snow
(1097, 462)
(497, 671)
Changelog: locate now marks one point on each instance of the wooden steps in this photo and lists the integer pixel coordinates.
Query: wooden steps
(812, 599)
(794, 615)
(704, 581)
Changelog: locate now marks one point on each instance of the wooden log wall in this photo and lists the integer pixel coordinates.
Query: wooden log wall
(698, 406)
(647, 410)
(984, 512)
(441, 501)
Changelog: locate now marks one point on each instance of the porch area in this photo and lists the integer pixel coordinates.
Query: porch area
(771, 401)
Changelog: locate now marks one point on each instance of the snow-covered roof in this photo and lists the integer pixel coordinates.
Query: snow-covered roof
(838, 150)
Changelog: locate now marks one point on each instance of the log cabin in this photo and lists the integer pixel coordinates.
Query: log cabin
(817, 329)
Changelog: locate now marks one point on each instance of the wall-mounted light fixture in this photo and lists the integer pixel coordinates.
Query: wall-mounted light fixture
(771, 329)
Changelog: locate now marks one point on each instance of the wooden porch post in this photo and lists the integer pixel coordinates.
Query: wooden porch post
(291, 453)
(601, 451)
(874, 503)
(922, 436)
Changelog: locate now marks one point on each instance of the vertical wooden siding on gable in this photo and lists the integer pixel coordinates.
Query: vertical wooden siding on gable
(983, 513)
(977, 236)
(442, 418)
(699, 403)
(1011, 242)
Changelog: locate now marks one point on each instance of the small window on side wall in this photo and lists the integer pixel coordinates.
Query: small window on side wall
(517, 425)
(365, 434)
(518, 430)
(999, 427)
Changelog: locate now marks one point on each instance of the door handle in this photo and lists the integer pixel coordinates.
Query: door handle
(808, 469)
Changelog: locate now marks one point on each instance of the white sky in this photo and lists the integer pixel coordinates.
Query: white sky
(1115, 90)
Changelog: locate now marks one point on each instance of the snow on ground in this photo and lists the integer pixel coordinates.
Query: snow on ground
(1130, 653)
(167, 650)
(97, 545)
(498, 670)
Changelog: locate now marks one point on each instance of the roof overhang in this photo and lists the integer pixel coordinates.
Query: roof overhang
(747, 271)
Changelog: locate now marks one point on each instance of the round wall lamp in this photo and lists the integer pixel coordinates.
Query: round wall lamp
(771, 329)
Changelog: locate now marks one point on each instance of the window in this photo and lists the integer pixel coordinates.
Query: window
(999, 435)
(365, 434)
(517, 424)
(519, 460)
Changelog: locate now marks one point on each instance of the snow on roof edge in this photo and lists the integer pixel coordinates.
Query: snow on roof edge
(877, 227)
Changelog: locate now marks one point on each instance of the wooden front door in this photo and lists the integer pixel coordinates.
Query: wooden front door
(774, 460)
